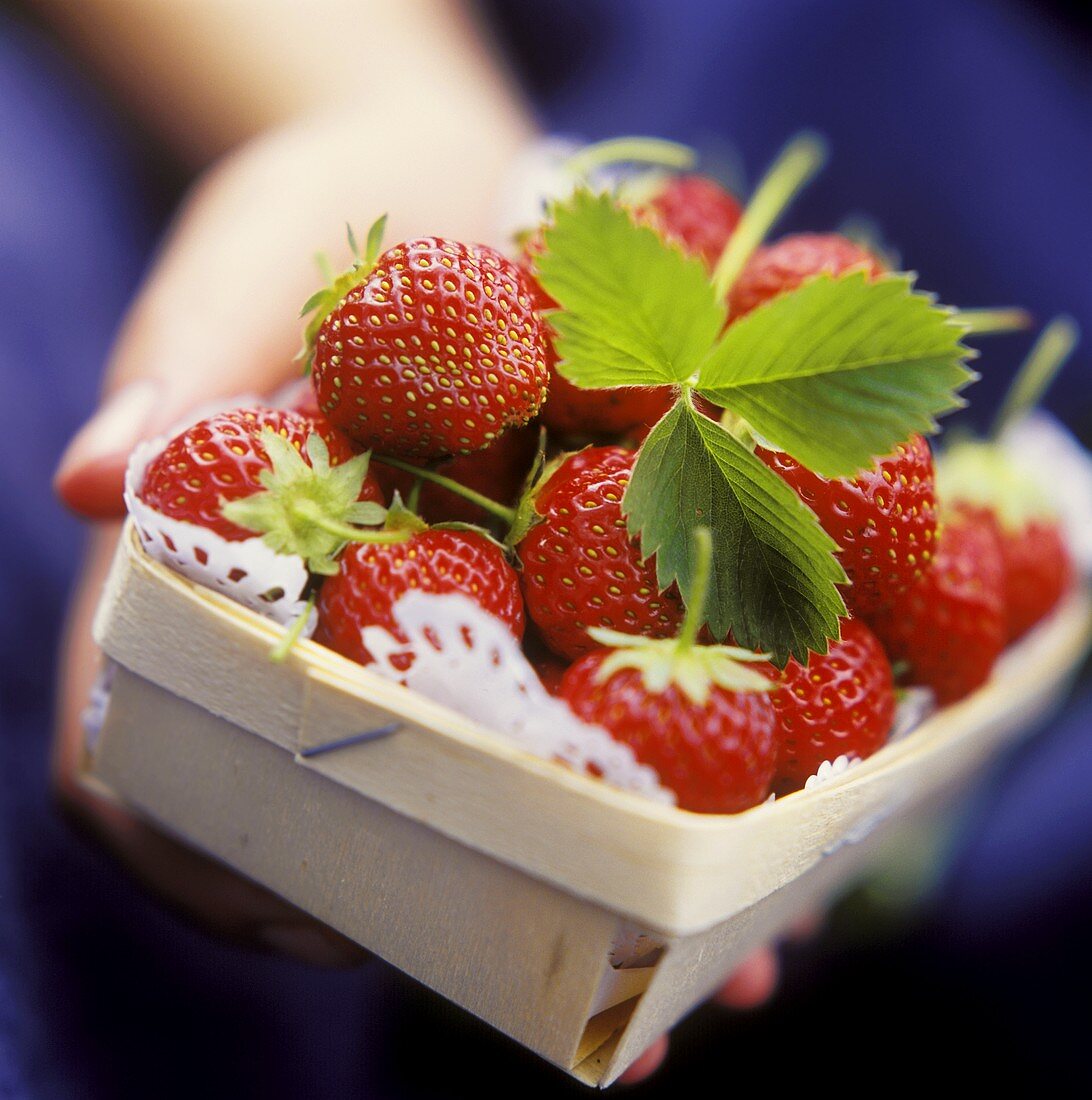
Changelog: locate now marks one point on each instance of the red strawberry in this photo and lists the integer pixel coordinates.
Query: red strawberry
(371, 579)
(572, 411)
(581, 568)
(777, 268)
(841, 702)
(498, 472)
(950, 627)
(436, 350)
(223, 458)
(696, 714)
(1038, 572)
(884, 519)
(696, 212)
(982, 478)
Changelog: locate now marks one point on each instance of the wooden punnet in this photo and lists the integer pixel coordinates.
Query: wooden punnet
(505, 882)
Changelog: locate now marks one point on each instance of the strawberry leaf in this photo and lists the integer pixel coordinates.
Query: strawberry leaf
(841, 369)
(774, 574)
(635, 311)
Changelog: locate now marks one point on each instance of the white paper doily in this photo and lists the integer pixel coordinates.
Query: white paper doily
(250, 572)
(466, 659)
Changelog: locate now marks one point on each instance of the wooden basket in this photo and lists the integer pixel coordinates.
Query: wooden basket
(501, 880)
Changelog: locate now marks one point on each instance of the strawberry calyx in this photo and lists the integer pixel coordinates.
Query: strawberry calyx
(983, 475)
(325, 300)
(308, 507)
(680, 661)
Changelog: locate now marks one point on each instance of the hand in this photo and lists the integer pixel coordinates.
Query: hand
(752, 984)
(218, 316)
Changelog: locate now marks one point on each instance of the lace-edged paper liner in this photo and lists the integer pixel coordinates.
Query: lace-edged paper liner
(249, 571)
(469, 661)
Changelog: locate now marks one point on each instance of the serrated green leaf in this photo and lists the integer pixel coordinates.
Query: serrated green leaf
(840, 370)
(774, 573)
(634, 310)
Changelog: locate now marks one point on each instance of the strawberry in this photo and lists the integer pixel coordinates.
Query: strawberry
(580, 566)
(982, 478)
(1038, 572)
(498, 472)
(777, 268)
(371, 579)
(572, 411)
(433, 350)
(950, 626)
(884, 519)
(231, 457)
(696, 212)
(696, 714)
(839, 703)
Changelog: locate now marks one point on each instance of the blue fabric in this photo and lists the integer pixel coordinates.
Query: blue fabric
(962, 125)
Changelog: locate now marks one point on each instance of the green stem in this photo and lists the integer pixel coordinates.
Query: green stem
(279, 653)
(699, 588)
(632, 150)
(797, 163)
(311, 513)
(987, 322)
(508, 515)
(1051, 350)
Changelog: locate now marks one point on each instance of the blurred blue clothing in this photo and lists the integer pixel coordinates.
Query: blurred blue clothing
(963, 126)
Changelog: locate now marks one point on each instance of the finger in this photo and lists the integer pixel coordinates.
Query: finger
(752, 983)
(215, 898)
(646, 1064)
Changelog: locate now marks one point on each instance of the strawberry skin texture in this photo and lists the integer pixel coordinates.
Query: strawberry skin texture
(1038, 572)
(1037, 565)
(373, 577)
(841, 702)
(221, 458)
(497, 472)
(437, 351)
(884, 519)
(697, 213)
(718, 758)
(572, 411)
(950, 627)
(581, 568)
(777, 268)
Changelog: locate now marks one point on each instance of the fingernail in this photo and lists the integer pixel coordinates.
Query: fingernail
(310, 944)
(114, 430)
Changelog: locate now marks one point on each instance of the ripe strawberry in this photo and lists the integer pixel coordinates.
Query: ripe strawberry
(841, 702)
(696, 714)
(572, 411)
(777, 268)
(884, 519)
(950, 627)
(434, 350)
(581, 568)
(224, 458)
(982, 478)
(371, 579)
(498, 472)
(1038, 572)
(696, 212)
